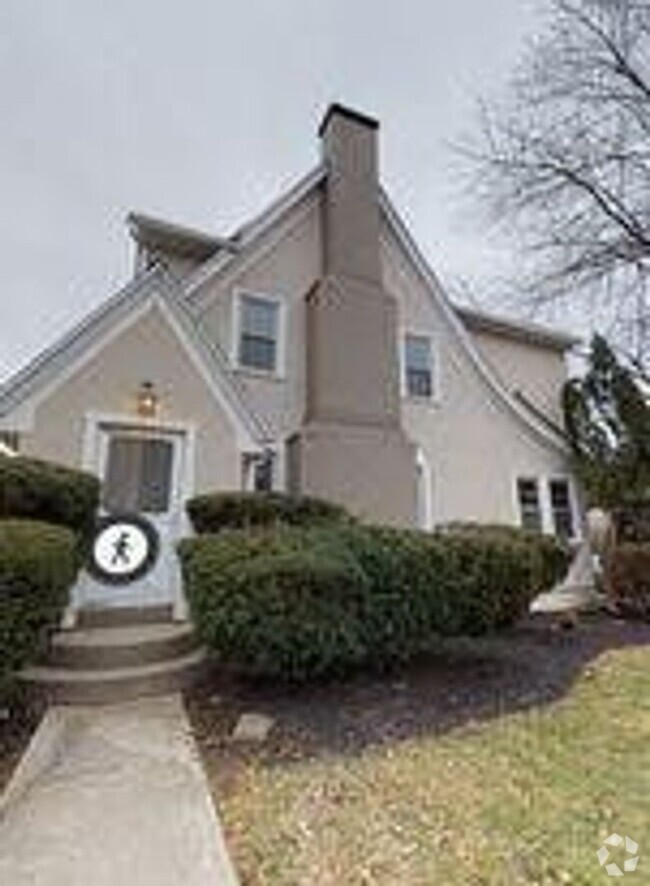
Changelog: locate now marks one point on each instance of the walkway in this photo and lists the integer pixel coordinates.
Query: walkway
(123, 802)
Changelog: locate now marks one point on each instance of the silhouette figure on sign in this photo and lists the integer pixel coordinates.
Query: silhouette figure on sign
(121, 549)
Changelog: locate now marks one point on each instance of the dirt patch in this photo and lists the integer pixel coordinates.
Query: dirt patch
(470, 680)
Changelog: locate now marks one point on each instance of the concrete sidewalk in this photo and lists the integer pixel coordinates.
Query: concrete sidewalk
(120, 800)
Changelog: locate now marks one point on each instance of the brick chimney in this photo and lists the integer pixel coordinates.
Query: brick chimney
(352, 448)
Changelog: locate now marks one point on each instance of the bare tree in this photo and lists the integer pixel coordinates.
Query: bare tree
(564, 165)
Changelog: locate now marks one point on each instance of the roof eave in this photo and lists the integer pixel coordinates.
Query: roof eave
(519, 330)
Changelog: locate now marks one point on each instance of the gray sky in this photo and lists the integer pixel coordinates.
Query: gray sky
(202, 112)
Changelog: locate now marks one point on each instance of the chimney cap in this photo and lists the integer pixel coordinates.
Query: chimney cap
(343, 111)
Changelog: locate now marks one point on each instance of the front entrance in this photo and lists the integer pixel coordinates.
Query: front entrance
(144, 471)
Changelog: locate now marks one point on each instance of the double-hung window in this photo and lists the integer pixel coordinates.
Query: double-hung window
(418, 366)
(561, 509)
(530, 511)
(259, 328)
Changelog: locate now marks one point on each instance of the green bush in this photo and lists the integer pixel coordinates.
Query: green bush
(303, 602)
(38, 490)
(37, 567)
(550, 556)
(277, 602)
(628, 579)
(240, 510)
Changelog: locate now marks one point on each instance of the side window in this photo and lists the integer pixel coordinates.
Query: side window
(561, 509)
(530, 512)
(259, 322)
(258, 472)
(418, 366)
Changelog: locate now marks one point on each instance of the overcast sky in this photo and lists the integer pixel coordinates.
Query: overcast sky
(204, 111)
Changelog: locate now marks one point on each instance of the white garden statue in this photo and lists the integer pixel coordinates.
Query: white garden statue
(578, 590)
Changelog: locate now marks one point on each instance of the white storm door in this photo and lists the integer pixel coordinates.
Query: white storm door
(142, 473)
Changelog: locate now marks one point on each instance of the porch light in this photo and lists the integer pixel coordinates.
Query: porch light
(147, 400)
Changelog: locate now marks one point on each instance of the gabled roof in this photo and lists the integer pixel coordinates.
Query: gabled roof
(246, 237)
(459, 319)
(540, 428)
(179, 298)
(526, 331)
(155, 285)
(182, 241)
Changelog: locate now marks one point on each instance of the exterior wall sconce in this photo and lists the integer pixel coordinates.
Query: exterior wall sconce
(148, 400)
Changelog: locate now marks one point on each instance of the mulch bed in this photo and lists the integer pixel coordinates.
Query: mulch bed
(19, 718)
(469, 681)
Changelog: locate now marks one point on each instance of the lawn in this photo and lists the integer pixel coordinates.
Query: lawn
(502, 762)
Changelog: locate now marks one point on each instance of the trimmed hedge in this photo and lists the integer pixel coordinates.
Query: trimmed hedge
(38, 564)
(240, 510)
(37, 490)
(301, 603)
(628, 579)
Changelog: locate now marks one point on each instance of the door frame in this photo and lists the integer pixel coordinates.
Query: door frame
(97, 429)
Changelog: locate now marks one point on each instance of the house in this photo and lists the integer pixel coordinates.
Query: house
(313, 351)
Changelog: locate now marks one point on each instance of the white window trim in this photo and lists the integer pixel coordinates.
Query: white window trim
(434, 398)
(544, 493)
(279, 372)
(425, 481)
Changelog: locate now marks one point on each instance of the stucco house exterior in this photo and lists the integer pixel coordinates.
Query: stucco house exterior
(313, 351)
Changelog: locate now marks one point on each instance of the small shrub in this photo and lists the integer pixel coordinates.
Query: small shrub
(299, 603)
(241, 510)
(38, 565)
(38, 490)
(628, 579)
(549, 556)
(278, 603)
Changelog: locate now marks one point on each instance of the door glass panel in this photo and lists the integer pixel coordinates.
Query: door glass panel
(138, 475)
(155, 476)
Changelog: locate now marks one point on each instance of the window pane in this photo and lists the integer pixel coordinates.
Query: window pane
(138, 475)
(256, 352)
(417, 354)
(155, 476)
(263, 474)
(529, 509)
(418, 383)
(259, 317)
(259, 333)
(121, 484)
(561, 508)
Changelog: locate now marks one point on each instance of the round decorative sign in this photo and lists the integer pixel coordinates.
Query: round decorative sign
(124, 548)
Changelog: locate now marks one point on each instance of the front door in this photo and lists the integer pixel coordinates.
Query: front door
(142, 473)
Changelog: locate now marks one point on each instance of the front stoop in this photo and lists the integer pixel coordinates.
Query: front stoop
(117, 659)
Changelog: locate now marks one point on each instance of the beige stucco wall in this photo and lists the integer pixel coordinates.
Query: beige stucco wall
(539, 372)
(286, 264)
(147, 350)
(473, 445)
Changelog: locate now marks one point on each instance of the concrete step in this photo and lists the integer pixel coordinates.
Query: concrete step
(118, 647)
(123, 616)
(62, 685)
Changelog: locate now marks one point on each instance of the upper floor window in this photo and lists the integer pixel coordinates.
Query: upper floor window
(530, 512)
(259, 331)
(418, 366)
(561, 508)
